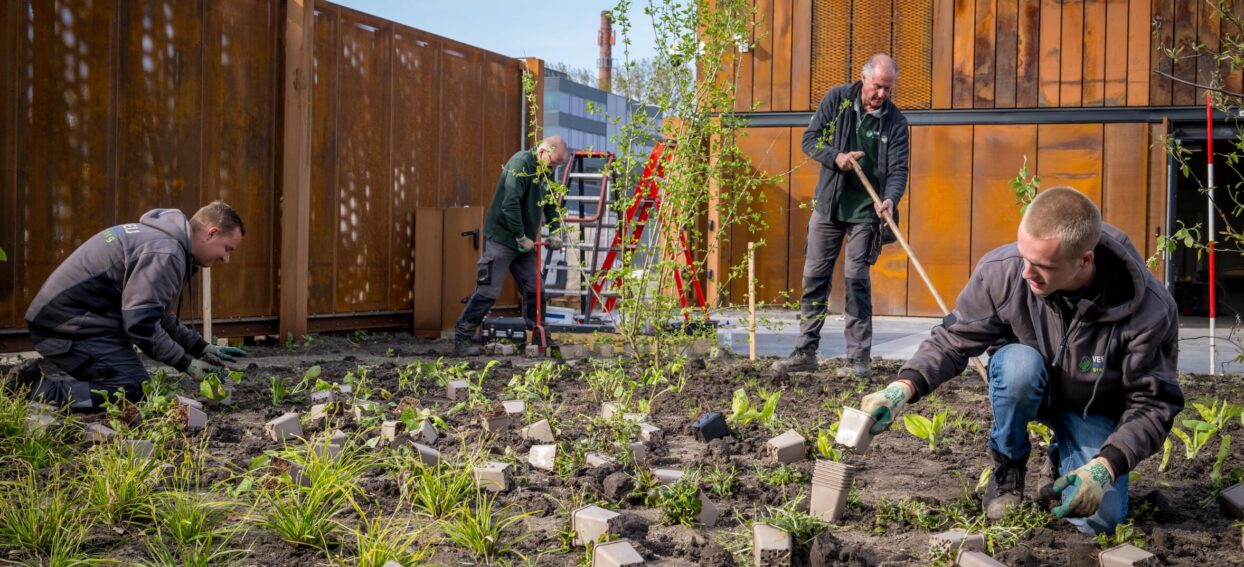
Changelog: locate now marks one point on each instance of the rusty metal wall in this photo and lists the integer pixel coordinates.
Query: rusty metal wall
(108, 109)
(845, 33)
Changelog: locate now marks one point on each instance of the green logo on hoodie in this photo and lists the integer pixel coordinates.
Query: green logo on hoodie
(1086, 364)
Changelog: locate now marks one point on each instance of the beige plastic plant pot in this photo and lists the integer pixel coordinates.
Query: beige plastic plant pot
(853, 430)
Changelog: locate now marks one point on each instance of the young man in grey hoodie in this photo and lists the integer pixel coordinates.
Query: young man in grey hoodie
(121, 289)
(1082, 338)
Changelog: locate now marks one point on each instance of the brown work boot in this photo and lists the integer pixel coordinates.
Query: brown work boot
(855, 368)
(1006, 485)
(801, 360)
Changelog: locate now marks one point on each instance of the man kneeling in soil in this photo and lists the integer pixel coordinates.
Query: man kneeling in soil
(121, 289)
(1082, 338)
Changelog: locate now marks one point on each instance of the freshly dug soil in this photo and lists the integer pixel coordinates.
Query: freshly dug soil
(1168, 507)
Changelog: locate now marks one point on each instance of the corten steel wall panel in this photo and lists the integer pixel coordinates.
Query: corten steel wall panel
(416, 114)
(942, 65)
(1006, 42)
(890, 274)
(1050, 46)
(1071, 85)
(1208, 28)
(461, 130)
(1125, 171)
(831, 47)
(458, 259)
(322, 281)
(1139, 36)
(401, 218)
(801, 96)
(1157, 197)
(1000, 151)
(496, 122)
(769, 150)
(762, 57)
(240, 75)
(1027, 53)
(781, 46)
(743, 76)
(1233, 80)
(913, 52)
(414, 163)
(1186, 19)
(363, 183)
(1071, 154)
(160, 133)
(1093, 85)
(1162, 13)
(941, 181)
(871, 30)
(965, 50)
(803, 179)
(66, 189)
(1116, 52)
(429, 230)
(985, 48)
(13, 64)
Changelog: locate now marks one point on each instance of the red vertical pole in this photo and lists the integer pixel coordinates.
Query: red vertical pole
(1210, 227)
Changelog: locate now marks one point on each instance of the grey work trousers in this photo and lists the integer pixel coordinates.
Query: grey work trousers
(490, 274)
(825, 242)
(97, 364)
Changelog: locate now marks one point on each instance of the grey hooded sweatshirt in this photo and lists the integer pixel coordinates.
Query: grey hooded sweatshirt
(1116, 356)
(124, 281)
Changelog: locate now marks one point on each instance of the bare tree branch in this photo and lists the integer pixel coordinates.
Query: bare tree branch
(1199, 85)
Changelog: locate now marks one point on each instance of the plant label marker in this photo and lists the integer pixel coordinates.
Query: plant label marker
(789, 447)
(284, 427)
(1128, 555)
(650, 433)
(538, 431)
(952, 541)
(493, 476)
(709, 513)
(771, 546)
(455, 388)
(1231, 500)
(616, 554)
(969, 558)
(591, 522)
(543, 457)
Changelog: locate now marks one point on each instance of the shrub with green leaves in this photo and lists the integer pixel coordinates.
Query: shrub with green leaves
(118, 484)
(437, 490)
(680, 500)
(41, 513)
(930, 430)
(802, 526)
(381, 540)
(781, 475)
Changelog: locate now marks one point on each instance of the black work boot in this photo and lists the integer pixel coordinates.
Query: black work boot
(1006, 484)
(25, 378)
(802, 360)
(464, 346)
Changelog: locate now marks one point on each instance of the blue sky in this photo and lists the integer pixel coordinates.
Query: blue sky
(553, 30)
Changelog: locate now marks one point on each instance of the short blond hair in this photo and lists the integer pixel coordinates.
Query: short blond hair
(218, 214)
(1064, 214)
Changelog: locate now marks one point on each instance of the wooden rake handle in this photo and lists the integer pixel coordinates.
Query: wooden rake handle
(855, 166)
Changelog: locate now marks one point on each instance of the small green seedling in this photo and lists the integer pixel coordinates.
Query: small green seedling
(825, 444)
(924, 428)
(1219, 413)
(742, 412)
(1202, 432)
(212, 389)
(1041, 432)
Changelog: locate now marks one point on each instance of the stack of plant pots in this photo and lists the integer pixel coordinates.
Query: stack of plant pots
(831, 484)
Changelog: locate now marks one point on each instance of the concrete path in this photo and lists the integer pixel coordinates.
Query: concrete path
(896, 338)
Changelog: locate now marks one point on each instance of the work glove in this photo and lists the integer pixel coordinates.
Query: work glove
(1087, 483)
(555, 243)
(223, 353)
(883, 406)
(525, 244)
(199, 369)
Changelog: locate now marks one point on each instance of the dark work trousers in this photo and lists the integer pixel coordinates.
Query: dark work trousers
(825, 242)
(490, 274)
(104, 363)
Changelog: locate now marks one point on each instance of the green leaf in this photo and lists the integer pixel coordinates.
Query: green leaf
(211, 388)
(3, 256)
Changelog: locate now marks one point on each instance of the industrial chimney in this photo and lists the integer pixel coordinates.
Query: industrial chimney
(605, 39)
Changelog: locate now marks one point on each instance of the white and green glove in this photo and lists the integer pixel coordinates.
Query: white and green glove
(1087, 484)
(525, 244)
(884, 406)
(225, 353)
(555, 243)
(199, 369)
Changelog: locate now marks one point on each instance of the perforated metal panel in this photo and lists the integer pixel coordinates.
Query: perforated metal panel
(912, 49)
(845, 33)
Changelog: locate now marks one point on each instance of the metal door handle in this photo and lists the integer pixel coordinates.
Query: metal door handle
(474, 234)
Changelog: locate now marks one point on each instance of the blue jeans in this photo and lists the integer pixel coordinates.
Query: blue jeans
(1017, 382)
